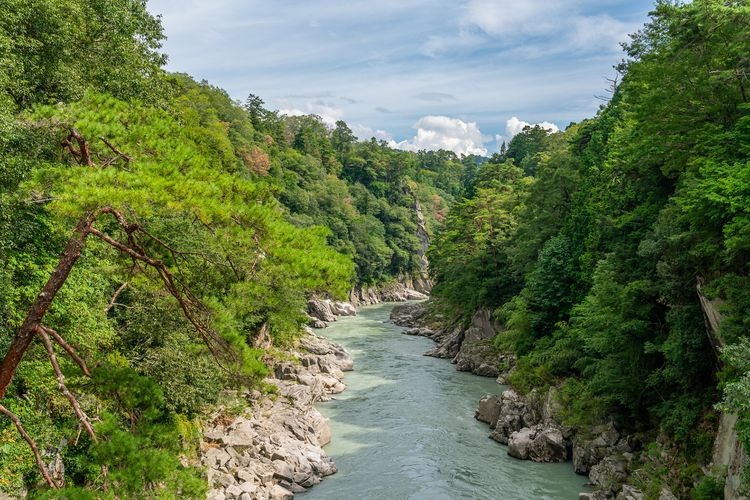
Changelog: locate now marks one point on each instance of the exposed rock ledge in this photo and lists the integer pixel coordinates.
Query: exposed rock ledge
(470, 348)
(274, 449)
(401, 291)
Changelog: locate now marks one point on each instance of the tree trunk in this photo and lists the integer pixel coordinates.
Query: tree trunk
(41, 304)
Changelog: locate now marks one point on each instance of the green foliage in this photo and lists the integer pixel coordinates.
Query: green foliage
(138, 441)
(525, 148)
(469, 258)
(709, 488)
(53, 50)
(737, 389)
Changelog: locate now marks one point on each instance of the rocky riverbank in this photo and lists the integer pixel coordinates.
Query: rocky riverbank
(274, 448)
(324, 311)
(469, 347)
(531, 428)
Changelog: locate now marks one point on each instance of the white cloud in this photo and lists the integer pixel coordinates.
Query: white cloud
(510, 17)
(564, 22)
(603, 31)
(365, 133)
(443, 132)
(328, 113)
(514, 126)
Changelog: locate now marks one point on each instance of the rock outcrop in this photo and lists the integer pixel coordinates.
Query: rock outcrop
(527, 425)
(421, 282)
(470, 348)
(541, 443)
(601, 442)
(274, 449)
(327, 311)
(728, 452)
(399, 291)
(530, 427)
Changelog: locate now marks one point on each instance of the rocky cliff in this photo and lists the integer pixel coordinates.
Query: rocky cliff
(728, 452)
(273, 449)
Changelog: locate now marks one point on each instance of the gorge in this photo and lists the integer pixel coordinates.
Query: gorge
(173, 257)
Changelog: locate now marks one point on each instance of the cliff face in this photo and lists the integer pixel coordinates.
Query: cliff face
(422, 282)
(728, 451)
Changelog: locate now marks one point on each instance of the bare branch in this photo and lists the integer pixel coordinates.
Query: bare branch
(61, 384)
(112, 301)
(71, 352)
(83, 155)
(12, 416)
(191, 307)
(119, 153)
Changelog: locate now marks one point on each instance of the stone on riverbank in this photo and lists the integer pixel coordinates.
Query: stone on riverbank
(541, 443)
(274, 449)
(328, 311)
(400, 291)
(528, 425)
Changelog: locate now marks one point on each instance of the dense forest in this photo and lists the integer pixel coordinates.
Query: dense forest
(154, 233)
(594, 246)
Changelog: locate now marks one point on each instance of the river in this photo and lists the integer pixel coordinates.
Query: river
(405, 427)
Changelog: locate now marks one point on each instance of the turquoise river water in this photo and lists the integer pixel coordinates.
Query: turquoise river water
(405, 427)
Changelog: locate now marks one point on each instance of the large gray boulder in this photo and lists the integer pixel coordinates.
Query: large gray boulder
(520, 442)
(602, 441)
(343, 309)
(321, 309)
(608, 474)
(549, 446)
(488, 410)
(630, 493)
(515, 414)
(408, 315)
(539, 444)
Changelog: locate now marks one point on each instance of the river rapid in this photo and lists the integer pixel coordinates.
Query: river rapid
(405, 427)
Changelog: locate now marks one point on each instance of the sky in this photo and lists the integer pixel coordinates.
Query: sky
(462, 75)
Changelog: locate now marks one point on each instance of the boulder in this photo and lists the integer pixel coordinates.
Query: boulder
(317, 323)
(343, 309)
(488, 410)
(216, 494)
(278, 492)
(520, 442)
(515, 414)
(548, 446)
(410, 294)
(448, 343)
(482, 326)
(409, 315)
(602, 441)
(630, 493)
(321, 309)
(482, 358)
(608, 474)
(539, 444)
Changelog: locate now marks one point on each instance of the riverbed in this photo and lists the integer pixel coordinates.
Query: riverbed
(405, 427)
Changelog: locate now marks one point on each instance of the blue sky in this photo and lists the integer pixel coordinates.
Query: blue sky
(422, 74)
